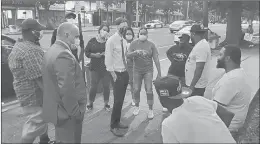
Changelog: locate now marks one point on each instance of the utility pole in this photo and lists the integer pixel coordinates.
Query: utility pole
(188, 6)
(205, 17)
(137, 13)
(129, 11)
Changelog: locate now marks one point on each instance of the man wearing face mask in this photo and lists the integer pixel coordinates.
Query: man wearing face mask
(232, 90)
(115, 61)
(194, 119)
(76, 51)
(64, 100)
(25, 62)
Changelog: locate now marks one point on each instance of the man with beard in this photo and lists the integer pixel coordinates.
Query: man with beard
(70, 17)
(115, 61)
(198, 63)
(25, 62)
(232, 90)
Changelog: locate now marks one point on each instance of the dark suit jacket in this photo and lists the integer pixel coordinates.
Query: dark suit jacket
(64, 87)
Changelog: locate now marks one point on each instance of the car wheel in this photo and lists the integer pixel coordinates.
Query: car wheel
(161, 26)
(171, 31)
(154, 26)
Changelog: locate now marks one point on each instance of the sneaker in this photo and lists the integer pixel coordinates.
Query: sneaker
(107, 107)
(136, 111)
(133, 103)
(116, 132)
(165, 110)
(150, 114)
(90, 107)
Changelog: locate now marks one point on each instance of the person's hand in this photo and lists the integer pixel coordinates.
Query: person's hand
(138, 52)
(103, 53)
(98, 55)
(186, 91)
(113, 74)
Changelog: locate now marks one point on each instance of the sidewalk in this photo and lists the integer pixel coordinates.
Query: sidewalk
(96, 123)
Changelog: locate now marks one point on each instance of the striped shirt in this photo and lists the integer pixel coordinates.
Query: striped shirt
(25, 62)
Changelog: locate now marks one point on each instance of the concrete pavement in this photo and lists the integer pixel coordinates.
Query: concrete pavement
(96, 122)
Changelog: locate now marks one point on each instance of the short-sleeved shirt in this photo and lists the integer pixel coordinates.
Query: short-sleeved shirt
(195, 121)
(143, 63)
(25, 62)
(233, 91)
(200, 53)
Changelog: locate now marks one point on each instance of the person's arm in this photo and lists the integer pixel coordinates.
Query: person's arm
(53, 38)
(32, 64)
(169, 54)
(88, 52)
(64, 67)
(156, 59)
(225, 115)
(201, 59)
(225, 93)
(168, 136)
(109, 56)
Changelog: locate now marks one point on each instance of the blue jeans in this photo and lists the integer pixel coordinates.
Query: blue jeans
(148, 82)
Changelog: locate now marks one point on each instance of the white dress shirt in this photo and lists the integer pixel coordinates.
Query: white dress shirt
(113, 53)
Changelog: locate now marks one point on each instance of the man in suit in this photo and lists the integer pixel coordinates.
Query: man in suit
(64, 100)
(70, 17)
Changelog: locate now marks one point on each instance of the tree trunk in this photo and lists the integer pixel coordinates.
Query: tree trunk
(233, 32)
(129, 11)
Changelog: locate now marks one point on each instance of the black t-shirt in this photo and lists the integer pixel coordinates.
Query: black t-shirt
(178, 57)
(93, 46)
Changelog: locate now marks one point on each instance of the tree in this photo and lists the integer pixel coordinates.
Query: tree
(110, 3)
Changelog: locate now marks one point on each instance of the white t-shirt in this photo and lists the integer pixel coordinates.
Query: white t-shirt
(233, 91)
(195, 121)
(200, 53)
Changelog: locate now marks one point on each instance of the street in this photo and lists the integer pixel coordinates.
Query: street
(141, 130)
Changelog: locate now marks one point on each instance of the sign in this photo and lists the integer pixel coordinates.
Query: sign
(77, 7)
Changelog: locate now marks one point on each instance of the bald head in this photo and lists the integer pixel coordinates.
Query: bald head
(68, 32)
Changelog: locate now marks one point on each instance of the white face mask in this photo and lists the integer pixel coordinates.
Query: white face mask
(128, 37)
(103, 34)
(73, 21)
(142, 37)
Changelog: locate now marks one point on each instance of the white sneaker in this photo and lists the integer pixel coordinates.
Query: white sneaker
(136, 111)
(150, 114)
(165, 110)
(133, 103)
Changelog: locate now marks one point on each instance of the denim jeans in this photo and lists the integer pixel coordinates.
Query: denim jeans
(148, 82)
(95, 79)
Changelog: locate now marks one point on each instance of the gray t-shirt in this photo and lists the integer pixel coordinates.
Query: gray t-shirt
(143, 63)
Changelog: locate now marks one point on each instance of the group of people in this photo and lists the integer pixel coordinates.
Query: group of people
(51, 88)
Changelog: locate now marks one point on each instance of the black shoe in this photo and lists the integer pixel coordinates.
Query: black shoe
(90, 107)
(122, 126)
(44, 140)
(107, 107)
(117, 132)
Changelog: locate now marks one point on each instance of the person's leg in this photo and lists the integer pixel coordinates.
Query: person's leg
(65, 134)
(78, 130)
(148, 81)
(95, 78)
(34, 126)
(106, 88)
(138, 78)
(198, 92)
(120, 87)
(131, 79)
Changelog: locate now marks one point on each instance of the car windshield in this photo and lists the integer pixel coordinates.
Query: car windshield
(186, 29)
(178, 22)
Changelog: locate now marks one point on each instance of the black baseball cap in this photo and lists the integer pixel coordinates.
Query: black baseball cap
(198, 28)
(32, 24)
(185, 36)
(120, 20)
(70, 15)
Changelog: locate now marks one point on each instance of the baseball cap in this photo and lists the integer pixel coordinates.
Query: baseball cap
(32, 24)
(70, 15)
(186, 36)
(120, 20)
(198, 28)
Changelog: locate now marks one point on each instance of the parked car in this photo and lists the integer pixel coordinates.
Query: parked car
(211, 36)
(178, 25)
(154, 24)
(7, 44)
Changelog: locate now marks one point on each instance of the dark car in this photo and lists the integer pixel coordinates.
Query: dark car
(7, 44)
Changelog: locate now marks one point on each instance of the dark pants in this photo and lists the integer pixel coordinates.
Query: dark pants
(95, 79)
(198, 92)
(120, 87)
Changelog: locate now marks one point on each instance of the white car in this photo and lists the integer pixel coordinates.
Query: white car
(178, 25)
(185, 30)
(154, 24)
